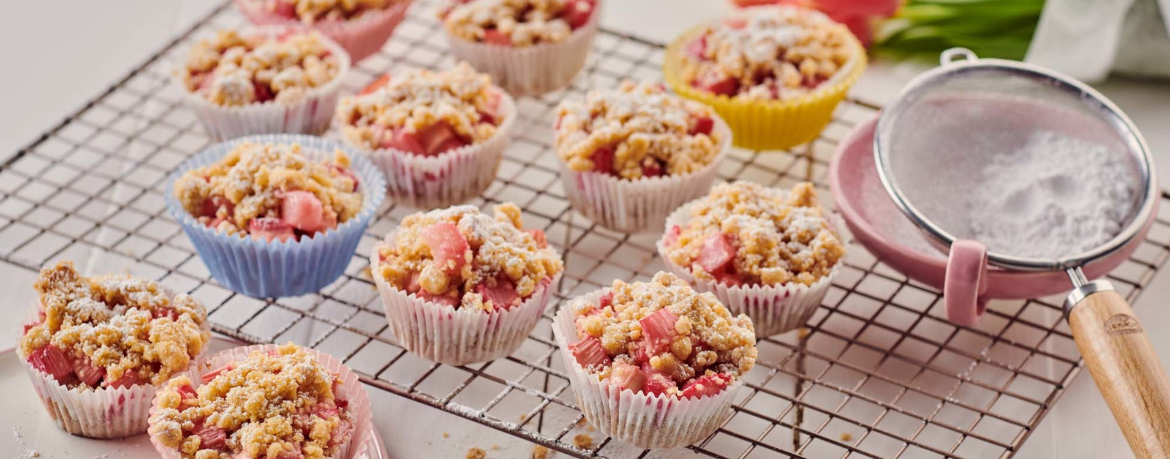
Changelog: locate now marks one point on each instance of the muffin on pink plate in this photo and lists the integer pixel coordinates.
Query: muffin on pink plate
(655, 364)
(97, 348)
(530, 46)
(438, 137)
(263, 81)
(632, 155)
(263, 401)
(460, 286)
(362, 27)
(765, 252)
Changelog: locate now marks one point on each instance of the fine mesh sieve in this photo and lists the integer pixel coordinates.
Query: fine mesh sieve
(1018, 167)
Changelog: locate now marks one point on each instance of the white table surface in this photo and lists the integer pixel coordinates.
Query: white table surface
(67, 51)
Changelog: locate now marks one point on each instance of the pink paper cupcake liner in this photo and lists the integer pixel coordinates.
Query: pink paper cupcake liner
(427, 182)
(360, 37)
(350, 388)
(453, 336)
(774, 309)
(645, 421)
(530, 70)
(311, 115)
(633, 206)
(91, 412)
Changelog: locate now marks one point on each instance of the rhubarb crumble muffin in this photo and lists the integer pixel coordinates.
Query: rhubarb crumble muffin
(271, 191)
(657, 351)
(495, 276)
(275, 215)
(766, 252)
(362, 27)
(438, 136)
(260, 402)
(96, 336)
(767, 71)
(529, 46)
(263, 81)
(631, 155)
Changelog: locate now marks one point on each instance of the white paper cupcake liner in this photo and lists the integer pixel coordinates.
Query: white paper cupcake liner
(645, 421)
(530, 70)
(453, 336)
(311, 115)
(427, 182)
(92, 412)
(350, 388)
(273, 269)
(633, 206)
(361, 37)
(774, 309)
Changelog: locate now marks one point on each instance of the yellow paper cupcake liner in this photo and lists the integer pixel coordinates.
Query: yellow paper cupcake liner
(768, 125)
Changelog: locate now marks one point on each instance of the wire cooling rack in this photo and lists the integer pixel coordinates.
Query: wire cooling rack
(878, 373)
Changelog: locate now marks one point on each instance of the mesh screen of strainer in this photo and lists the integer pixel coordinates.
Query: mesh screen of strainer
(1028, 164)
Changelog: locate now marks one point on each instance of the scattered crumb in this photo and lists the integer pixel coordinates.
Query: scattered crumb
(583, 441)
(476, 453)
(495, 447)
(523, 417)
(846, 436)
(589, 427)
(539, 452)
(445, 435)
(803, 333)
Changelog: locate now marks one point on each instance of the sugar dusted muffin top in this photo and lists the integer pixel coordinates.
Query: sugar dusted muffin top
(111, 331)
(314, 11)
(271, 191)
(638, 130)
(743, 233)
(769, 53)
(463, 258)
(423, 112)
(517, 23)
(282, 404)
(231, 69)
(662, 337)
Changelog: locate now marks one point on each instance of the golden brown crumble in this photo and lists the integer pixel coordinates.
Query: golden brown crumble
(520, 22)
(638, 130)
(417, 99)
(314, 11)
(266, 404)
(583, 441)
(476, 453)
(130, 328)
(705, 339)
(768, 53)
(231, 69)
(253, 177)
(491, 253)
(777, 236)
(540, 452)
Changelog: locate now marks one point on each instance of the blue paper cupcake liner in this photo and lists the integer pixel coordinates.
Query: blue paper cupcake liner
(275, 269)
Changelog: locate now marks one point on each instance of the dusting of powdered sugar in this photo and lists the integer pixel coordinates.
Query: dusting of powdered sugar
(1055, 196)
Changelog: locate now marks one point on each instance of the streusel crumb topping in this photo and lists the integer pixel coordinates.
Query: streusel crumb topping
(314, 11)
(255, 181)
(271, 405)
(232, 69)
(413, 101)
(745, 233)
(636, 131)
(516, 22)
(111, 331)
(665, 327)
(768, 53)
(464, 258)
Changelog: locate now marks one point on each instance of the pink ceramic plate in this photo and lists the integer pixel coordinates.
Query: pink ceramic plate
(881, 227)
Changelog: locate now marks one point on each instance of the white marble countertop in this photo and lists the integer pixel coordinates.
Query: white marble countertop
(70, 50)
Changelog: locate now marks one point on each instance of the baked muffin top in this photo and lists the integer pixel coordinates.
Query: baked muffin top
(232, 69)
(517, 23)
(315, 11)
(111, 331)
(638, 130)
(743, 233)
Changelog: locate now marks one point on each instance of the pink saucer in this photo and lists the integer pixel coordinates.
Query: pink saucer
(881, 227)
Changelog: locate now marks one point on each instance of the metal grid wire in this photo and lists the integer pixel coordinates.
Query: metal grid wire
(878, 373)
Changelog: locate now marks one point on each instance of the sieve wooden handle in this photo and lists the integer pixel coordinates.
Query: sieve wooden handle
(1126, 370)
